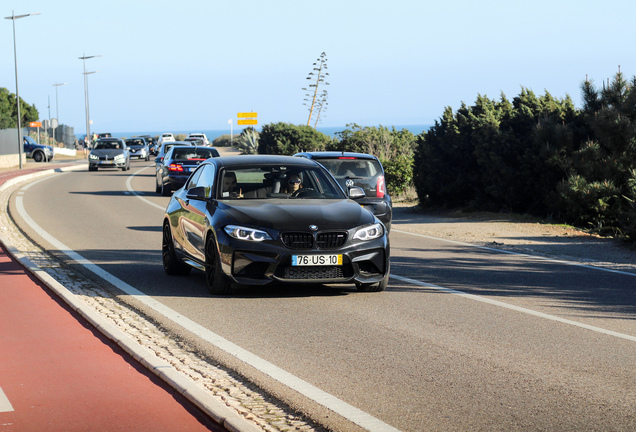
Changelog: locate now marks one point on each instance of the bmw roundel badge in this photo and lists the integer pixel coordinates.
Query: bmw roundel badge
(313, 227)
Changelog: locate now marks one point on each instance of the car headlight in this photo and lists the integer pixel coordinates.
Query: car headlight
(370, 232)
(120, 157)
(92, 156)
(248, 234)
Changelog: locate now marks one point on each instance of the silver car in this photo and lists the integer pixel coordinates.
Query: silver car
(109, 153)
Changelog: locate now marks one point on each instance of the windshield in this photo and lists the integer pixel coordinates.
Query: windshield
(364, 173)
(108, 145)
(193, 154)
(135, 142)
(267, 182)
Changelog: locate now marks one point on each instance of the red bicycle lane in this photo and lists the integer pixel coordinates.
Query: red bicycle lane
(58, 373)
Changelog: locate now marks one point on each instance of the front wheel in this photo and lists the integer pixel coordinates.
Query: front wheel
(165, 190)
(374, 287)
(38, 156)
(171, 263)
(217, 282)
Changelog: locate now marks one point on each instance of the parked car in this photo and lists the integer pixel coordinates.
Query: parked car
(109, 153)
(35, 151)
(178, 164)
(361, 170)
(138, 148)
(236, 219)
(200, 136)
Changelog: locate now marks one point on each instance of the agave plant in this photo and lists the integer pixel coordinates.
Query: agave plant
(247, 142)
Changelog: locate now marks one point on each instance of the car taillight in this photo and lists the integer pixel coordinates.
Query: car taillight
(175, 167)
(380, 188)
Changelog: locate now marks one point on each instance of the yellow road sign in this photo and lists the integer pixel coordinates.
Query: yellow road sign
(247, 122)
(247, 115)
(35, 124)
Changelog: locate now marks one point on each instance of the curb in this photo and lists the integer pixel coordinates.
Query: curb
(195, 393)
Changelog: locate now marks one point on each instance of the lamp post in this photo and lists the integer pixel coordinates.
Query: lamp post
(231, 133)
(57, 112)
(14, 17)
(88, 126)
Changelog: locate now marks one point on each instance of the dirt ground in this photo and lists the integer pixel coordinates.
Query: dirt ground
(517, 234)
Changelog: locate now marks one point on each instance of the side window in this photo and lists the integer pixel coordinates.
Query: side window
(194, 178)
(207, 179)
(203, 176)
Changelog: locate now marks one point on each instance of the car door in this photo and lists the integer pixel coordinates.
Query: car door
(195, 213)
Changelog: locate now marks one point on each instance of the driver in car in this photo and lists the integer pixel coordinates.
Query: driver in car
(293, 183)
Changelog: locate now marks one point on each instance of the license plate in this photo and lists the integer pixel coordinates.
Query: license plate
(108, 162)
(316, 260)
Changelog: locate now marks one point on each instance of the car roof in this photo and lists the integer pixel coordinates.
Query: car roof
(335, 155)
(252, 160)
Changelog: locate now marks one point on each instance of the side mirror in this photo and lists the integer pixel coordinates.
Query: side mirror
(356, 192)
(196, 193)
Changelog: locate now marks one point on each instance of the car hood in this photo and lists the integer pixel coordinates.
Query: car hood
(285, 216)
(107, 152)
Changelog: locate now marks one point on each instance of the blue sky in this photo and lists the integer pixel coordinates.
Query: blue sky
(192, 65)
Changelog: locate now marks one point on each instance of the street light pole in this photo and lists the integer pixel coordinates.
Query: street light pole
(88, 126)
(13, 17)
(57, 112)
(231, 133)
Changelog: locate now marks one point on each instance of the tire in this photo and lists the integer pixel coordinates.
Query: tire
(165, 191)
(38, 156)
(374, 287)
(171, 263)
(217, 282)
(92, 168)
(157, 187)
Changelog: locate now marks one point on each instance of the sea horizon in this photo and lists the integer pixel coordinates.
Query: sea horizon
(212, 134)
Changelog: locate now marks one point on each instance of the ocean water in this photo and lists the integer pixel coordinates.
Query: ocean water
(212, 134)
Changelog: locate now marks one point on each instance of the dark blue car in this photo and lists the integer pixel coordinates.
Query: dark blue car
(37, 152)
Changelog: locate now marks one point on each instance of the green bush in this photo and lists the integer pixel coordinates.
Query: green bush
(287, 139)
(537, 155)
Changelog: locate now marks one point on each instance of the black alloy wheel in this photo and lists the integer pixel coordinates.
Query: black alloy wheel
(374, 287)
(38, 156)
(217, 282)
(171, 263)
(165, 190)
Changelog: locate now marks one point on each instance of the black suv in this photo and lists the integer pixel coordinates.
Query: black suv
(362, 170)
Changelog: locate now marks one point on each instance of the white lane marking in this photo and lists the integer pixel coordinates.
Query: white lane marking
(537, 257)
(516, 308)
(5, 405)
(132, 191)
(331, 402)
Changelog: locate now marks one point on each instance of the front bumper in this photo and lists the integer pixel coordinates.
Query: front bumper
(248, 263)
(139, 155)
(107, 163)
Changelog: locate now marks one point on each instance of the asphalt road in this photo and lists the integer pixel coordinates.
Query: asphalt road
(464, 338)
